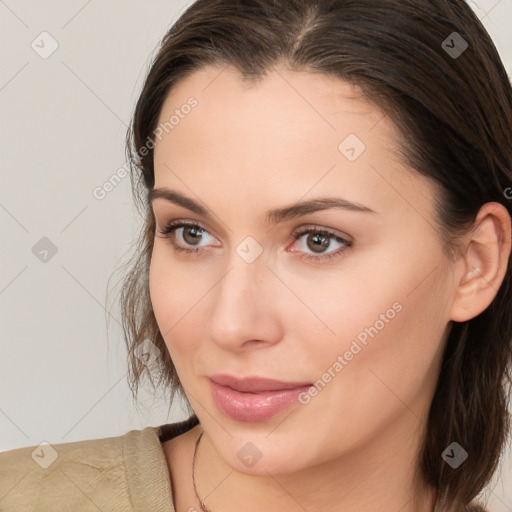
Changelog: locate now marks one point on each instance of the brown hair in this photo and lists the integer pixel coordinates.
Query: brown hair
(454, 115)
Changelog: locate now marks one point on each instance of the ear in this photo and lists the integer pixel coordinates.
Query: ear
(480, 272)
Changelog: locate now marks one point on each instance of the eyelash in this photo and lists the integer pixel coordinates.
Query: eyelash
(173, 226)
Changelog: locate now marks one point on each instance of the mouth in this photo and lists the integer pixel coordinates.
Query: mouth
(254, 398)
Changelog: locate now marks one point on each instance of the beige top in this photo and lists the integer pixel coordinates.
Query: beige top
(128, 473)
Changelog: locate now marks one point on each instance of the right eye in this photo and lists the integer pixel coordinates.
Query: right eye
(183, 229)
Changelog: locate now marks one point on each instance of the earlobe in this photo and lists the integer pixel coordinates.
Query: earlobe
(483, 267)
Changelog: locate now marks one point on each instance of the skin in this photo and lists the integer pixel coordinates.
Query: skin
(244, 150)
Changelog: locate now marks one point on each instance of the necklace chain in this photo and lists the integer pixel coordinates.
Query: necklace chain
(203, 507)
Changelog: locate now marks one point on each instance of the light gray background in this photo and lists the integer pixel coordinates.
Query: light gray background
(63, 123)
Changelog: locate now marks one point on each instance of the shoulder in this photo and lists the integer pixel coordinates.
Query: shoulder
(113, 474)
(87, 474)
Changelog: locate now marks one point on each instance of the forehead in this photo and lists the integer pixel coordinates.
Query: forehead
(281, 136)
(315, 100)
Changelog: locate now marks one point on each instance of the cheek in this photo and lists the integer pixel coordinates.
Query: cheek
(383, 361)
(380, 299)
(173, 294)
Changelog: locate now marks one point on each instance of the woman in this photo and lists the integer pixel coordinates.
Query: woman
(324, 271)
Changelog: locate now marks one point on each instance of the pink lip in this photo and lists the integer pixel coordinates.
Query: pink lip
(254, 398)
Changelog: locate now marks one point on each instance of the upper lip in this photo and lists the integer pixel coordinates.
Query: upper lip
(255, 384)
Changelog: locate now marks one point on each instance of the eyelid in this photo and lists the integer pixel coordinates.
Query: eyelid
(322, 229)
(299, 230)
(188, 222)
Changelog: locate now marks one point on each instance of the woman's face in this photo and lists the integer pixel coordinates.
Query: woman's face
(363, 323)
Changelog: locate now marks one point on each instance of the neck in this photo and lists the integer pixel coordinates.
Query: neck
(379, 476)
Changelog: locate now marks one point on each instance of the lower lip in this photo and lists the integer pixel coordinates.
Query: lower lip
(253, 406)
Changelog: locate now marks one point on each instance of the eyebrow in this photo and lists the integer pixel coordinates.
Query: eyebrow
(272, 216)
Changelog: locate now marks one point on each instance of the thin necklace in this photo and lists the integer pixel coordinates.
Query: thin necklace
(203, 507)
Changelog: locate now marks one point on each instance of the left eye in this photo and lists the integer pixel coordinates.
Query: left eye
(316, 239)
(321, 239)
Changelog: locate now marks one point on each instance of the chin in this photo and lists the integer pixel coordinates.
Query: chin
(259, 455)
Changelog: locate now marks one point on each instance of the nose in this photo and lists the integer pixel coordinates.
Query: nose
(244, 313)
